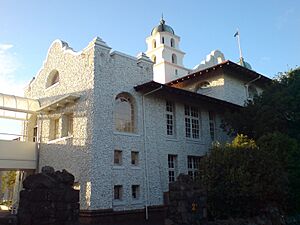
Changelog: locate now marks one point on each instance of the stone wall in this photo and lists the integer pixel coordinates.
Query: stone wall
(187, 202)
(49, 199)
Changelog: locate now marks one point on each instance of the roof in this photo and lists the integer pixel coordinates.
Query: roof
(183, 94)
(226, 65)
(162, 27)
(16, 107)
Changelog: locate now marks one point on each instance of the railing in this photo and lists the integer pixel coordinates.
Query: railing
(16, 152)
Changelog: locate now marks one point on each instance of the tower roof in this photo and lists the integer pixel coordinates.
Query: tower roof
(162, 27)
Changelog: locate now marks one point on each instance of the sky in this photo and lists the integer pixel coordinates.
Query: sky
(269, 32)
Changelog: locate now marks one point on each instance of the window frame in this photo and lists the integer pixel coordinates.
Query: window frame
(170, 119)
(172, 167)
(193, 165)
(192, 121)
(121, 123)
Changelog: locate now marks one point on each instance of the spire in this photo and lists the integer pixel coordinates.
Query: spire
(162, 21)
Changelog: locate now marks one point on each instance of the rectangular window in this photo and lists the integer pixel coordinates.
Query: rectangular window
(172, 165)
(135, 191)
(192, 122)
(170, 118)
(118, 157)
(193, 166)
(118, 192)
(56, 129)
(134, 158)
(212, 125)
(67, 125)
(34, 138)
(70, 124)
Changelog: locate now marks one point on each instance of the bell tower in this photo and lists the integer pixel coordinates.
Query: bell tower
(163, 50)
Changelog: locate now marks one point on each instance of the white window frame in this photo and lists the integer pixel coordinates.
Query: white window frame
(172, 168)
(170, 119)
(193, 163)
(192, 119)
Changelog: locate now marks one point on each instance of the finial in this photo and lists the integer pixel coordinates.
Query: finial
(162, 21)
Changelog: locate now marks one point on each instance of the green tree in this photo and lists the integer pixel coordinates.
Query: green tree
(8, 181)
(242, 179)
(273, 121)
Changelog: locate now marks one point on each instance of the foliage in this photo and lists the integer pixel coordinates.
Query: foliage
(242, 178)
(8, 181)
(273, 120)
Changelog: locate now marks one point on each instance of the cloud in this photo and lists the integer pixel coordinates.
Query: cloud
(9, 64)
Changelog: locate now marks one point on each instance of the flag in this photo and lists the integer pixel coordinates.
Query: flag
(236, 34)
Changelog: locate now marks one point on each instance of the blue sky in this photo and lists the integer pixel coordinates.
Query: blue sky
(270, 31)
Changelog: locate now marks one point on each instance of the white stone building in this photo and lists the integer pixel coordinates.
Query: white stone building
(127, 126)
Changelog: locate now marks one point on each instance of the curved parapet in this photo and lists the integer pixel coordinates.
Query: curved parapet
(212, 59)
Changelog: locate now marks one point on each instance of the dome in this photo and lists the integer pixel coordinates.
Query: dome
(243, 63)
(162, 27)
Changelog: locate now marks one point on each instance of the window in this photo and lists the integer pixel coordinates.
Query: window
(135, 191)
(154, 44)
(192, 122)
(174, 59)
(162, 40)
(154, 59)
(124, 114)
(134, 158)
(118, 157)
(193, 166)
(67, 127)
(176, 72)
(170, 118)
(34, 138)
(172, 43)
(53, 78)
(56, 129)
(212, 125)
(118, 192)
(172, 164)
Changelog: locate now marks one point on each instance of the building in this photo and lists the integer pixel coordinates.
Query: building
(127, 126)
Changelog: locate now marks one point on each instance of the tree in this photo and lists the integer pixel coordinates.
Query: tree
(273, 121)
(8, 181)
(243, 179)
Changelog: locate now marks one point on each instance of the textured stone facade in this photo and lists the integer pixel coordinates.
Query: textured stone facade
(97, 75)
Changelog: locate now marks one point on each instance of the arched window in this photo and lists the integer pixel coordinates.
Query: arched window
(53, 78)
(124, 113)
(154, 44)
(162, 40)
(174, 58)
(172, 43)
(252, 92)
(154, 59)
(202, 87)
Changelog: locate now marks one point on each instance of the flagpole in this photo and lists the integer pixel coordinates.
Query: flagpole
(239, 43)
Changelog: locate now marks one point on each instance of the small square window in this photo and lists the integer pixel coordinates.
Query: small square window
(118, 157)
(118, 192)
(134, 158)
(135, 190)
